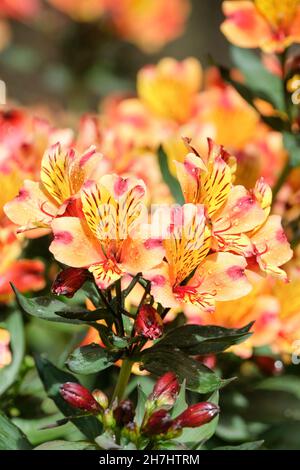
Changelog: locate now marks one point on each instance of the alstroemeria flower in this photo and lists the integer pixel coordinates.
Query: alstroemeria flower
(162, 87)
(63, 173)
(5, 354)
(232, 210)
(271, 25)
(105, 239)
(271, 248)
(189, 275)
(25, 274)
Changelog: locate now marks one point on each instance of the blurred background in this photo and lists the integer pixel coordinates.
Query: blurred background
(48, 58)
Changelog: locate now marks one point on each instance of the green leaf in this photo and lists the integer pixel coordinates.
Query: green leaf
(194, 438)
(246, 446)
(169, 179)
(65, 445)
(257, 77)
(44, 307)
(180, 404)
(8, 374)
(91, 359)
(11, 437)
(140, 408)
(199, 378)
(85, 315)
(201, 340)
(109, 339)
(292, 144)
(52, 378)
(106, 441)
(289, 383)
(274, 122)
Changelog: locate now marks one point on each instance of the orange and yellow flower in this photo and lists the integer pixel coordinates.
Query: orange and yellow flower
(170, 82)
(63, 172)
(106, 238)
(271, 25)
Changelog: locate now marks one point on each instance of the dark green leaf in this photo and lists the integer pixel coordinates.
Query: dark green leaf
(199, 378)
(85, 315)
(202, 340)
(8, 374)
(11, 437)
(90, 359)
(53, 378)
(45, 307)
(169, 179)
(246, 446)
(109, 339)
(257, 77)
(292, 144)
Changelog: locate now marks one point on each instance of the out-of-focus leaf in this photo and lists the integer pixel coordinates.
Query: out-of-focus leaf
(257, 77)
(292, 144)
(202, 340)
(9, 373)
(180, 404)
(199, 378)
(255, 445)
(91, 359)
(275, 122)
(65, 445)
(11, 437)
(169, 179)
(53, 378)
(140, 408)
(286, 383)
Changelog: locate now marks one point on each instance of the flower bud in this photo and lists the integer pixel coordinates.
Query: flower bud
(124, 413)
(158, 423)
(100, 398)
(165, 390)
(196, 415)
(269, 365)
(79, 397)
(69, 281)
(148, 323)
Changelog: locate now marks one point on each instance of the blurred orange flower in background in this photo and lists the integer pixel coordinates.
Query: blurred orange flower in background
(271, 25)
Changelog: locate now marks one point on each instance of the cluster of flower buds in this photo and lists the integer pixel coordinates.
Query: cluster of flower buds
(158, 423)
(69, 281)
(148, 323)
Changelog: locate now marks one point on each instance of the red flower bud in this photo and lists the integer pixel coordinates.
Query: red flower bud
(159, 423)
(124, 413)
(196, 415)
(79, 397)
(269, 365)
(148, 322)
(165, 390)
(69, 281)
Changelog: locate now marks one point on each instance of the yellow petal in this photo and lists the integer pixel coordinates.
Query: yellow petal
(31, 208)
(271, 246)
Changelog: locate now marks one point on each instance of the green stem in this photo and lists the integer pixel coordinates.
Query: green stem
(123, 379)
